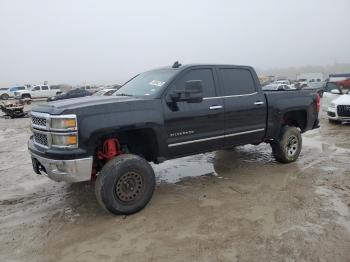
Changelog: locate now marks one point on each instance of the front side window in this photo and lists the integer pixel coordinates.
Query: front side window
(13, 89)
(37, 88)
(205, 75)
(237, 81)
(150, 83)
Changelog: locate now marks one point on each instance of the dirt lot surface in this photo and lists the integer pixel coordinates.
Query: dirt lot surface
(234, 205)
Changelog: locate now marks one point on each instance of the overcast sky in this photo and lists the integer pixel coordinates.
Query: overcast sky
(81, 41)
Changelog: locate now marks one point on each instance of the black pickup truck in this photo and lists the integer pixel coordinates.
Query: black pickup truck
(163, 114)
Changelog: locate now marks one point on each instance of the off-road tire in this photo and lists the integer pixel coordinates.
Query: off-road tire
(4, 96)
(286, 148)
(125, 184)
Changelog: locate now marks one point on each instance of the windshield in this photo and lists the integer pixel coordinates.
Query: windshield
(147, 84)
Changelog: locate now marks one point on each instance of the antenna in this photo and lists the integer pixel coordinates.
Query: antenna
(176, 64)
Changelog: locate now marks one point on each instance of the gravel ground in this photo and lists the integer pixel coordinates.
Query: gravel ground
(232, 205)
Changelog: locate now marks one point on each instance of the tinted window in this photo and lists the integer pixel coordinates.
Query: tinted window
(237, 81)
(12, 89)
(44, 88)
(330, 87)
(204, 75)
(36, 88)
(21, 88)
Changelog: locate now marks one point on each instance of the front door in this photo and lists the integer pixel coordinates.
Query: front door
(194, 127)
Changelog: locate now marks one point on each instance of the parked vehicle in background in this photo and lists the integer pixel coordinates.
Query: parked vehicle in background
(306, 77)
(338, 77)
(344, 83)
(331, 92)
(10, 92)
(39, 91)
(70, 94)
(105, 92)
(276, 87)
(91, 89)
(164, 114)
(339, 109)
(282, 82)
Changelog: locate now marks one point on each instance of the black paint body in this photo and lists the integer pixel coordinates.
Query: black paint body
(191, 128)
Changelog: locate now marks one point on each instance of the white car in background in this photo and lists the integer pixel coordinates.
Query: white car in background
(276, 87)
(282, 82)
(331, 92)
(339, 109)
(41, 91)
(6, 93)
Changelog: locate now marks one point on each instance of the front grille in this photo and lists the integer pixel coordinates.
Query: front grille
(41, 139)
(38, 121)
(343, 110)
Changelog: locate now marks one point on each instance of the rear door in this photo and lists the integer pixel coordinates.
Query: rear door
(194, 127)
(45, 91)
(245, 106)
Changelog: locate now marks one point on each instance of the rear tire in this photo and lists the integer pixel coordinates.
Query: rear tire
(125, 184)
(287, 147)
(5, 96)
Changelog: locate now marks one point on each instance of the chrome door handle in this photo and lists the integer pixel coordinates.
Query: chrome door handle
(215, 107)
(258, 103)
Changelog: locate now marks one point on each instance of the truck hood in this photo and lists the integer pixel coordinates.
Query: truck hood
(76, 105)
(342, 100)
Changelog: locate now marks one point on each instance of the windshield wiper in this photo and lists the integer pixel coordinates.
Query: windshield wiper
(123, 94)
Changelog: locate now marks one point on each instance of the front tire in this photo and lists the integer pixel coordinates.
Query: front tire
(5, 96)
(125, 184)
(287, 147)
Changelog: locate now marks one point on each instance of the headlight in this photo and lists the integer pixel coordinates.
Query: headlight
(64, 140)
(333, 105)
(64, 123)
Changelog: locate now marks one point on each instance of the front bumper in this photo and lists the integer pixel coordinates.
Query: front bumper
(75, 170)
(333, 115)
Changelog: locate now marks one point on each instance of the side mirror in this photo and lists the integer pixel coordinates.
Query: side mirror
(336, 91)
(193, 92)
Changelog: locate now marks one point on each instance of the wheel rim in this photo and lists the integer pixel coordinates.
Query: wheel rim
(292, 146)
(130, 186)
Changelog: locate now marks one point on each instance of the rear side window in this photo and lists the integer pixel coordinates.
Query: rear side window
(205, 75)
(44, 88)
(237, 81)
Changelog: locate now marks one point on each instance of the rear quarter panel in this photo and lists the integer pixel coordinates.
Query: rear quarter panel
(282, 102)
